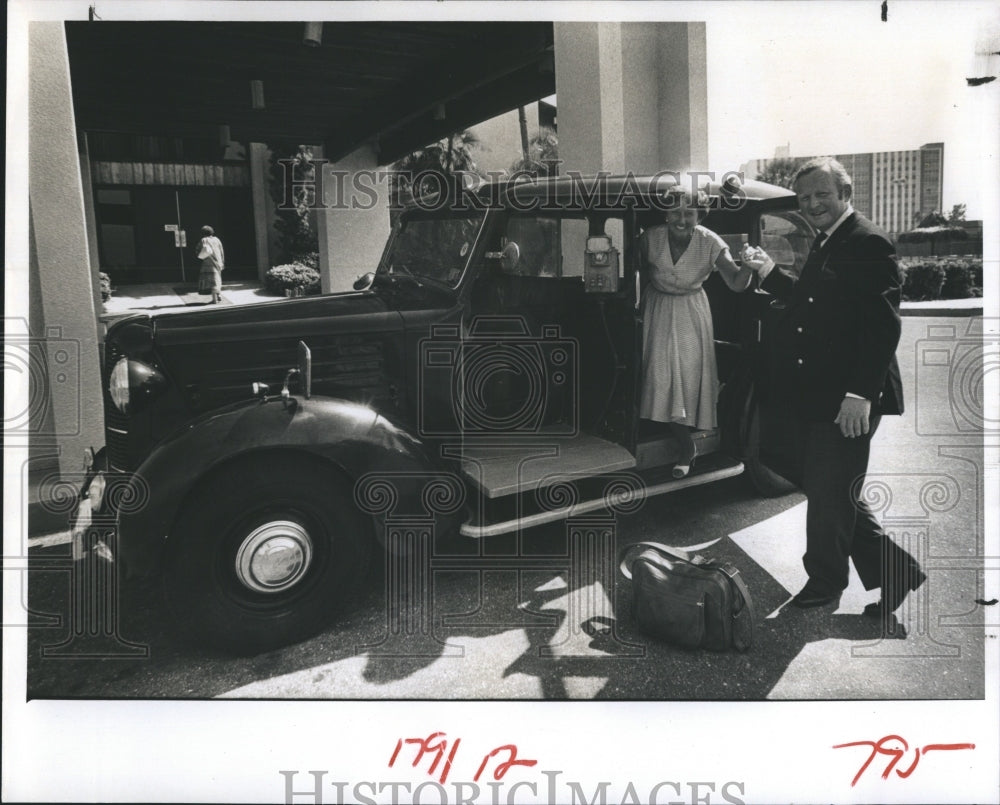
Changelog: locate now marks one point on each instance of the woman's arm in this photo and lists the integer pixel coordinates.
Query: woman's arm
(736, 277)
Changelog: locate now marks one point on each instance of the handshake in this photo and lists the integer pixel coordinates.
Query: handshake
(756, 259)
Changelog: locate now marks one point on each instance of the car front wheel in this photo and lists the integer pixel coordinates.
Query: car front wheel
(265, 554)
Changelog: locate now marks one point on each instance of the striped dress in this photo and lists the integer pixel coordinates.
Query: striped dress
(679, 376)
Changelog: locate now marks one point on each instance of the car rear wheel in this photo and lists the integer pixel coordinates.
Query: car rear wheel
(265, 554)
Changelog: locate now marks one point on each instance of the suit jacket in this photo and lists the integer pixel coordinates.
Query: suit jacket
(839, 327)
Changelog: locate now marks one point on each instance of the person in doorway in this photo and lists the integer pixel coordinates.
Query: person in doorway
(680, 383)
(213, 263)
(833, 376)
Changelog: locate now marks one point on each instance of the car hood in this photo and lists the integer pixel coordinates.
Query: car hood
(329, 314)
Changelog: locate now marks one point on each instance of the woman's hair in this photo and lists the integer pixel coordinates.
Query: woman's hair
(207, 231)
(678, 196)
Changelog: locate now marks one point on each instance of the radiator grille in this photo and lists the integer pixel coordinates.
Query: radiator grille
(115, 422)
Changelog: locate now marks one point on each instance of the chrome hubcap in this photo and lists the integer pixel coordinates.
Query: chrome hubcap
(274, 557)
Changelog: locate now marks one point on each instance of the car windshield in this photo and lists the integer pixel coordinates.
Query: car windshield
(433, 247)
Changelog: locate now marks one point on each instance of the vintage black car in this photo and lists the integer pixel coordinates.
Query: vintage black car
(484, 378)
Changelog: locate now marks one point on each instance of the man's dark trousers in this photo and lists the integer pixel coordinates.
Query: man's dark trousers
(830, 469)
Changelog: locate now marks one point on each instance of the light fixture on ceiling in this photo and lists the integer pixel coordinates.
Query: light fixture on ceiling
(257, 93)
(313, 36)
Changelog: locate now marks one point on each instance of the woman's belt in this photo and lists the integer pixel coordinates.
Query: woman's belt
(676, 293)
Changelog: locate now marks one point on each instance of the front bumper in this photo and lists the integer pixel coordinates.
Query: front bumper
(93, 526)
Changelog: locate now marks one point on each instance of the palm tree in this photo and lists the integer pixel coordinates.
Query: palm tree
(780, 171)
(542, 156)
(450, 156)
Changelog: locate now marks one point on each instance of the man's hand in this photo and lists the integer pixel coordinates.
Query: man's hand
(853, 416)
(756, 259)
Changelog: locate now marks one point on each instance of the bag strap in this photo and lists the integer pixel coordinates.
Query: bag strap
(671, 553)
(747, 609)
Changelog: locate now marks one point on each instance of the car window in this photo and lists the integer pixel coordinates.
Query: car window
(537, 239)
(576, 231)
(786, 237)
(552, 246)
(433, 246)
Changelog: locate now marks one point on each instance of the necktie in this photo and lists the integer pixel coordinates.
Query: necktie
(813, 262)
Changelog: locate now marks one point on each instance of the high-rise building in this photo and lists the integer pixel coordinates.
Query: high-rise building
(892, 188)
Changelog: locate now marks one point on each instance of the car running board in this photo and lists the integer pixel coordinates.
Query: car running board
(583, 507)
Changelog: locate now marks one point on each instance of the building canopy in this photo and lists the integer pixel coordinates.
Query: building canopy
(395, 85)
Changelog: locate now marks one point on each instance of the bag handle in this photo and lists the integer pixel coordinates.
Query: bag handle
(747, 608)
(671, 553)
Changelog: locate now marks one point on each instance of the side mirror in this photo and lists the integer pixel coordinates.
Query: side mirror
(305, 369)
(509, 257)
(364, 282)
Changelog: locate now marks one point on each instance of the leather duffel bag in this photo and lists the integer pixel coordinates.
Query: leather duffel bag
(688, 601)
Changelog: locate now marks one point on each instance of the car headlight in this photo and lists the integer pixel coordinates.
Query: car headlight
(118, 385)
(132, 383)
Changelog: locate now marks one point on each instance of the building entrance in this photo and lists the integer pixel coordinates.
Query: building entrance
(150, 233)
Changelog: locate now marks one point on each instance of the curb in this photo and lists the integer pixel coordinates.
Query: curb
(913, 310)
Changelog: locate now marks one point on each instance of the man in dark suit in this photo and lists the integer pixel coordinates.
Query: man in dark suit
(833, 376)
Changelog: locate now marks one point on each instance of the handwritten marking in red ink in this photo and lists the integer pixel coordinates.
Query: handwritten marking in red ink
(426, 746)
(436, 744)
(502, 768)
(896, 753)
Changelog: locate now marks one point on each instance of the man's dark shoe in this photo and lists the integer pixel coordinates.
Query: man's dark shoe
(806, 599)
(893, 595)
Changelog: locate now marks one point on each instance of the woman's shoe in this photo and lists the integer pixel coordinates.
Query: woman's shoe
(682, 470)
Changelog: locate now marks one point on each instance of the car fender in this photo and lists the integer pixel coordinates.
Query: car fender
(395, 475)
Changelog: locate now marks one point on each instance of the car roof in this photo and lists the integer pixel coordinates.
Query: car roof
(598, 190)
(612, 186)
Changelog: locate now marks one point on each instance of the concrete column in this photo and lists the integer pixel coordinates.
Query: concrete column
(263, 206)
(91, 219)
(353, 228)
(66, 342)
(632, 96)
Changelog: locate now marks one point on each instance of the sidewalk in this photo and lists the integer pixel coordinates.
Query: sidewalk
(944, 307)
(158, 296)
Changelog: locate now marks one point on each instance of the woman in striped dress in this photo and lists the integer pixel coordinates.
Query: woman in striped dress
(680, 383)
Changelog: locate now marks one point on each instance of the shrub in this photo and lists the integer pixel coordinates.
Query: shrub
(958, 281)
(308, 259)
(922, 281)
(961, 277)
(290, 276)
(105, 286)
